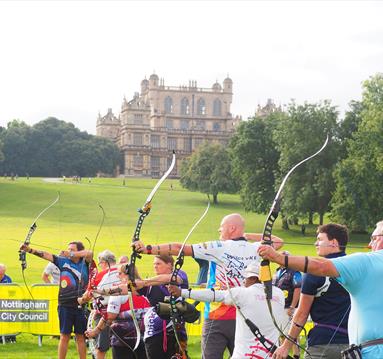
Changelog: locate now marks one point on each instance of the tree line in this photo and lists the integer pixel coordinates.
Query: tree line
(343, 182)
(54, 148)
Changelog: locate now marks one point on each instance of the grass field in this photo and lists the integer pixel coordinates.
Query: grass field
(77, 215)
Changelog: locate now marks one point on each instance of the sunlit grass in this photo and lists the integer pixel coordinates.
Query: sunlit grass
(78, 215)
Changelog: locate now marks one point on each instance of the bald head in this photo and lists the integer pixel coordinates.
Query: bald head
(232, 226)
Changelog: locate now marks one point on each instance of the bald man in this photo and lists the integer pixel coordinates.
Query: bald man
(231, 254)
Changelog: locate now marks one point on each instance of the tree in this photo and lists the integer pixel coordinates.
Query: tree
(255, 161)
(55, 148)
(208, 171)
(2, 130)
(299, 135)
(358, 198)
(15, 147)
(349, 125)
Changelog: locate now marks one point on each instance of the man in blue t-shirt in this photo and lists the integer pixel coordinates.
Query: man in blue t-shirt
(74, 276)
(361, 275)
(324, 299)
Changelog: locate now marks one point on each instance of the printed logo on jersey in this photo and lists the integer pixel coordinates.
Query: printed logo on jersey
(214, 244)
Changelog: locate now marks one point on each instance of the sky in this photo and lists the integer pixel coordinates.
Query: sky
(74, 59)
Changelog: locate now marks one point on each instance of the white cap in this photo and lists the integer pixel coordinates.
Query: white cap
(252, 270)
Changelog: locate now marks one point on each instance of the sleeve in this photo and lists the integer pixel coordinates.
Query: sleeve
(204, 295)
(114, 304)
(235, 296)
(311, 283)
(351, 268)
(48, 268)
(208, 250)
(297, 280)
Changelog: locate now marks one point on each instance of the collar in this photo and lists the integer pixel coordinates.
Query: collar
(239, 239)
(335, 255)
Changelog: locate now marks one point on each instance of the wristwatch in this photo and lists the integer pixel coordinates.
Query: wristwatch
(71, 254)
(149, 249)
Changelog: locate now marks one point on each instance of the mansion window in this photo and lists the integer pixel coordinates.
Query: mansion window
(138, 119)
(168, 105)
(138, 161)
(217, 107)
(154, 162)
(216, 126)
(184, 124)
(201, 107)
(185, 110)
(155, 141)
(169, 123)
(172, 143)
(137, 139)
(200, 125)
(187, 144)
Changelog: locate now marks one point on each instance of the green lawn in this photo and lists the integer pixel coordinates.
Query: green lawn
(77, 215)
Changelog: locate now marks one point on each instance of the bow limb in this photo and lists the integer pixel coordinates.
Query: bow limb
(135, 322)
(92, 268)
(27, 241)
(100, 226)
(144, 212)
(265, 271)
(174, 315)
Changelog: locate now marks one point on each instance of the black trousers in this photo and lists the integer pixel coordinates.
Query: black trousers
(127, 353)
(154, 347)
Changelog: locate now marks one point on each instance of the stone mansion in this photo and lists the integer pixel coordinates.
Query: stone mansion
(162, 118)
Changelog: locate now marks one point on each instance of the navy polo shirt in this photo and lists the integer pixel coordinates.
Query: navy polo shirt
(330, 308)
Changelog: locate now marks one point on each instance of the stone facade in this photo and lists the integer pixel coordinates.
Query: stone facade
(162, 118)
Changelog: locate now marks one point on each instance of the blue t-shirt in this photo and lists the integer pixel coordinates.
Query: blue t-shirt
(329, 310)
(73, 280)
(361, 274)
(5, 279)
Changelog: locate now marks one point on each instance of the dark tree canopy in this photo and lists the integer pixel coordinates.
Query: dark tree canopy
(55, 148)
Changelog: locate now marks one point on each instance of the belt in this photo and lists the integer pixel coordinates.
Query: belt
(334, 327)
(371, 343)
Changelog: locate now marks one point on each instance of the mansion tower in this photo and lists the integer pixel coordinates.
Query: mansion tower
(162, 118)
